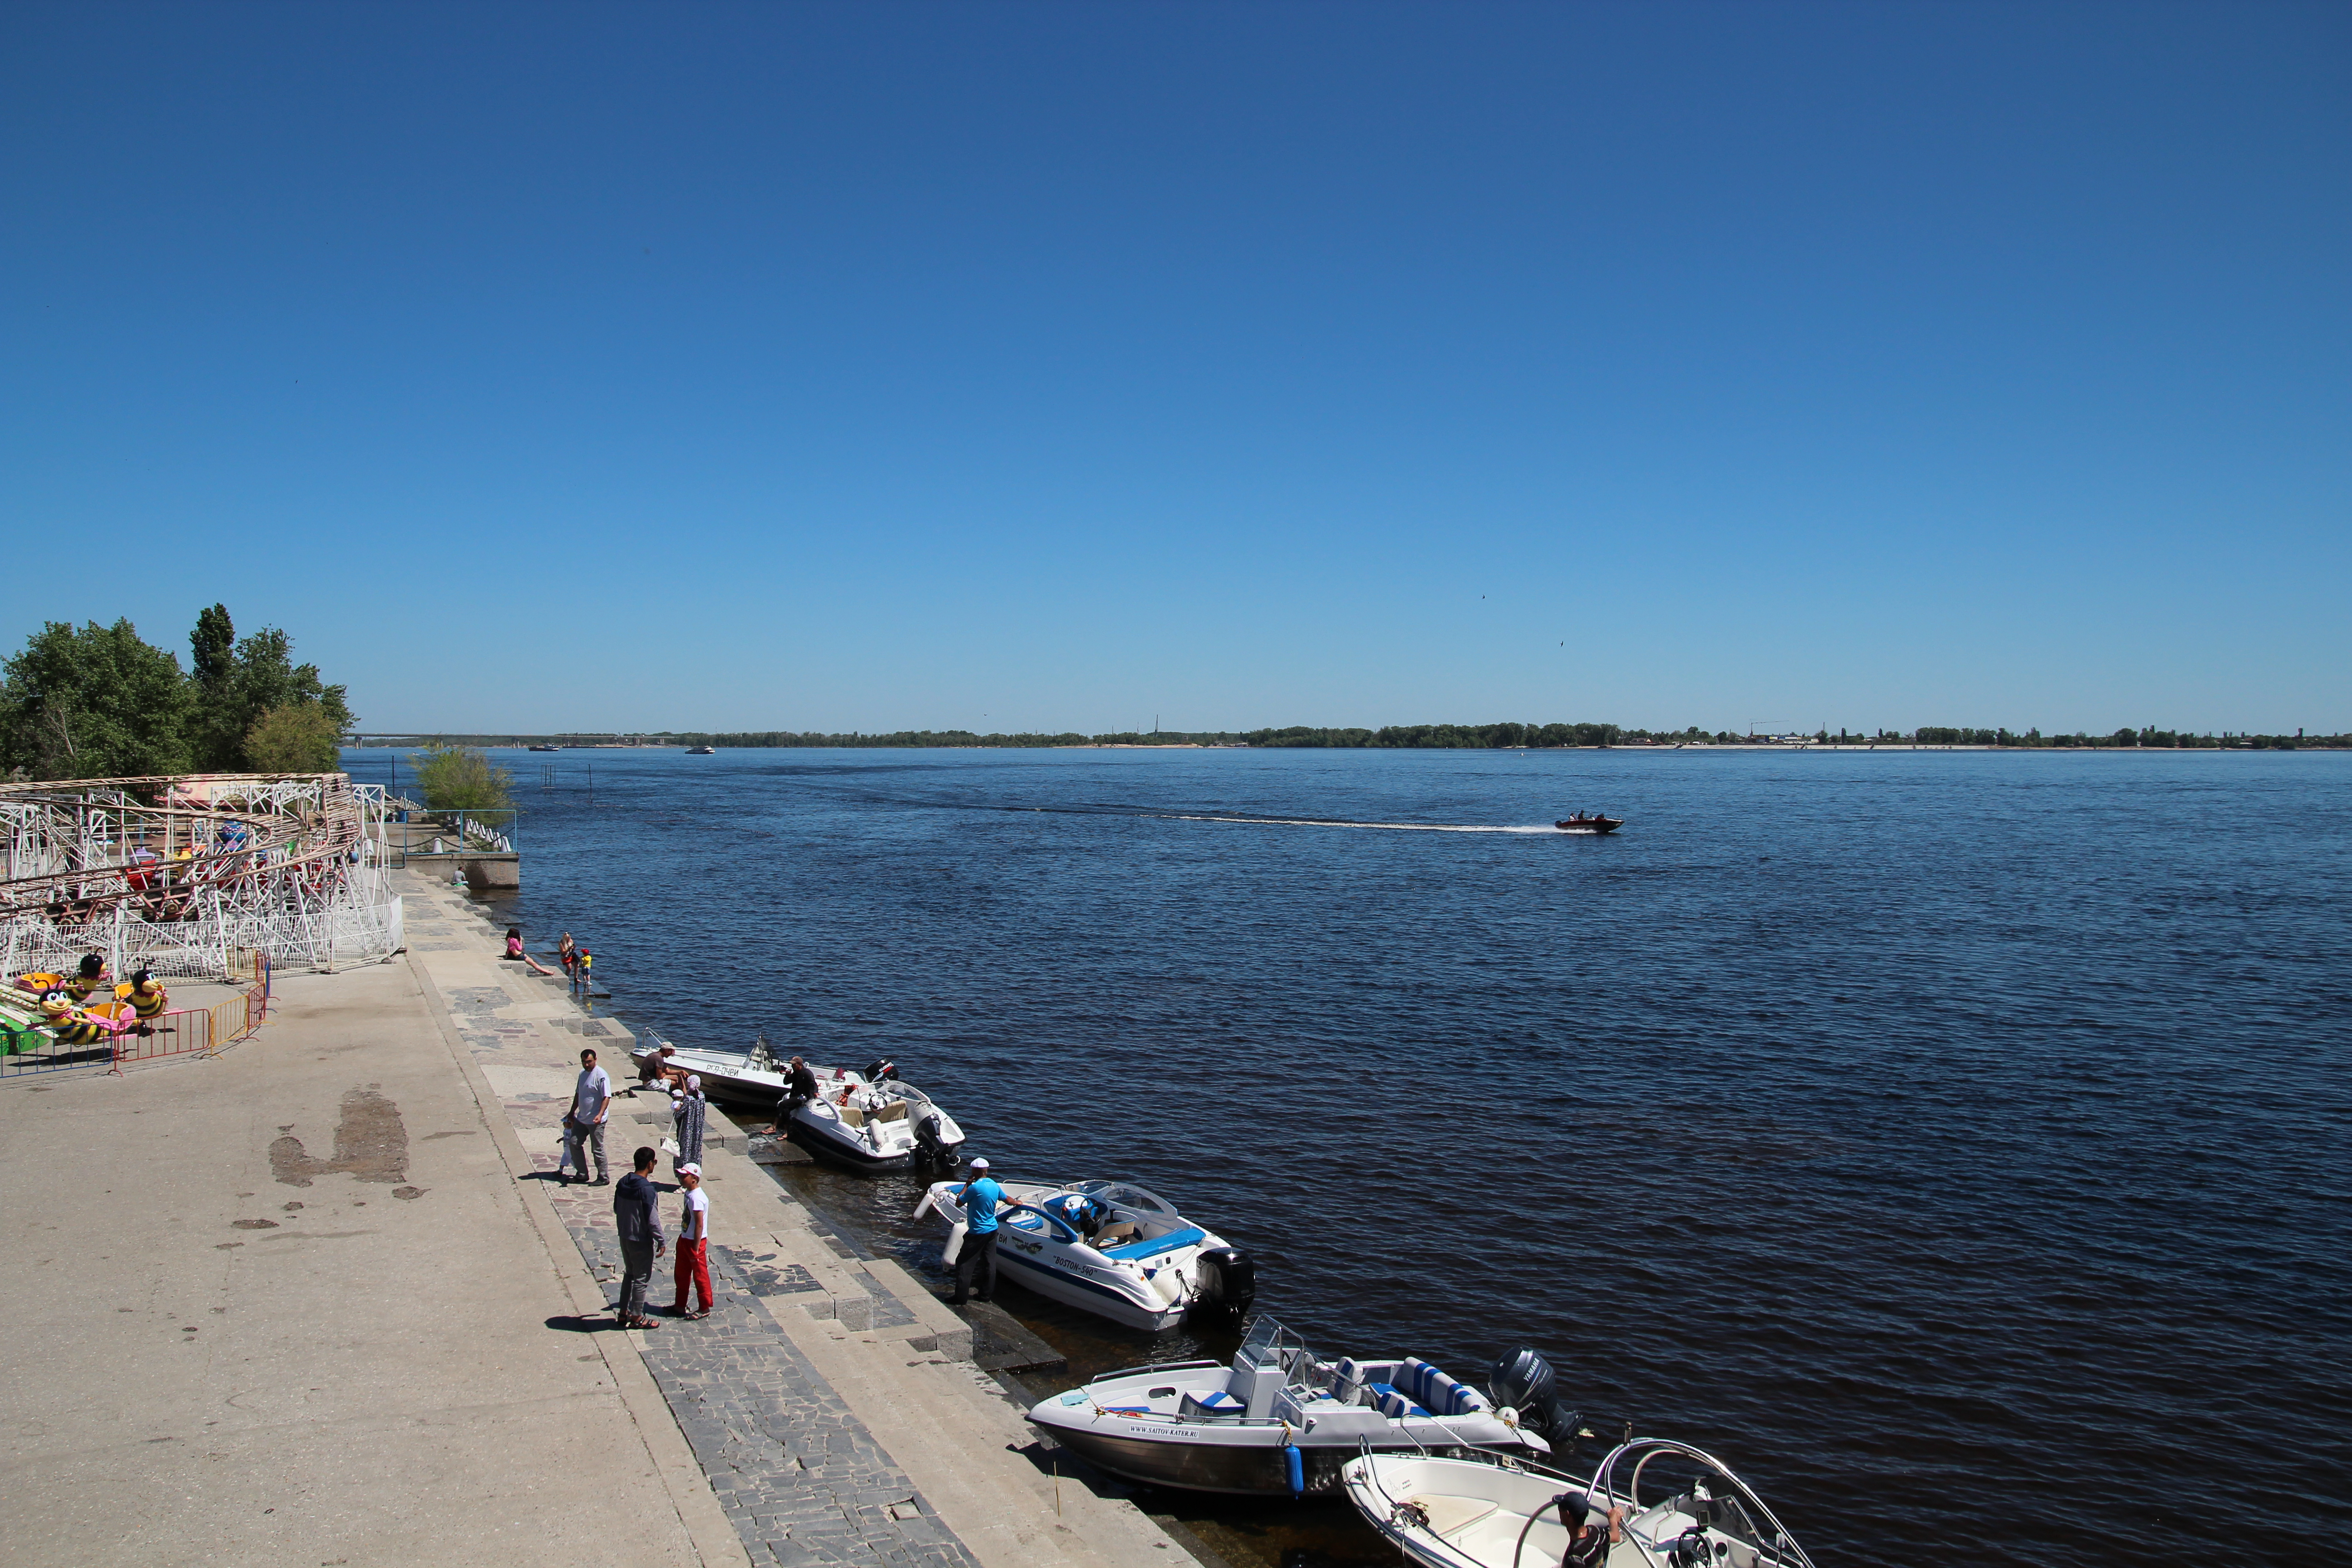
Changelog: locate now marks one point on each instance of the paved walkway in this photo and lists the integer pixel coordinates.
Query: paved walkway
(287, 1306)
(316, 1301)
(831, 1400)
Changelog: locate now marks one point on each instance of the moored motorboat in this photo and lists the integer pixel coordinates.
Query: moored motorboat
(1494, 1512)
(702, 751)
(1596, 823)
(869, 1121)
(1282, 1420)
(1112, 1248)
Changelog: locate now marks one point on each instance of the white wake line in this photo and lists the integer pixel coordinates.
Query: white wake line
(1311, 821)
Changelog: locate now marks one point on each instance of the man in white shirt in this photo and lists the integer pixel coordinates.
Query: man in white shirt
(583, 1124)
(693, 1243)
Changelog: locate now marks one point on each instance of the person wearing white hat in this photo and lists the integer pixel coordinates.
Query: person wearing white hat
(693, 1244)
(687, 1111)
(981, 1198)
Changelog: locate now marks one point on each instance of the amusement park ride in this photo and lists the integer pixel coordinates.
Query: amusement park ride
(173, 874)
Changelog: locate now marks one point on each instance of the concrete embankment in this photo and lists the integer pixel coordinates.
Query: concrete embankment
(316, 1300)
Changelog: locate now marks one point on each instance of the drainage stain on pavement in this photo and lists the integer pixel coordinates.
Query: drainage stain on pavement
(370, 1143)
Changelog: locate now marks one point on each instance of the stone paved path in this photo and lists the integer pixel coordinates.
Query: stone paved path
(799, 1476)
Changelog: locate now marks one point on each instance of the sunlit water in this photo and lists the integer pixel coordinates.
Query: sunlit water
(1955, 1143)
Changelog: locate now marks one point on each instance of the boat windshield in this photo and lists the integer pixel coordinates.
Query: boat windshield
(1127, 1195)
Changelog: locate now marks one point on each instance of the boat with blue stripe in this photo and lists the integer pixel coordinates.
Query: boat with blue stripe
(1281, 1419)
(1114, 1249)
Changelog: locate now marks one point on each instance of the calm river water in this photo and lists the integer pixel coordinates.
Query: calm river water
(1954, 1142)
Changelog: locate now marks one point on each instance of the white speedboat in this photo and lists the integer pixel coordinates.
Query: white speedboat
(1280, 1420)
(869, 1121)
(1107, 1248)
(1494, 1512)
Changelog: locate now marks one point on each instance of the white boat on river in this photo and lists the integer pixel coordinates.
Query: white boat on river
(1496, 1512)
(869, 1121)
(1281, 1419)
(1112, 1248)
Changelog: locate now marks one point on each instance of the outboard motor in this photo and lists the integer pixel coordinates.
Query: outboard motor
(1228, 1279)
(930, 1146)
(1525, 1381)
(881, 1070)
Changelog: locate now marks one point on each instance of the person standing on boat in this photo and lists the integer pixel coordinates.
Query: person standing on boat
(688, 1111)
(981, 1198)
(1590, 1545)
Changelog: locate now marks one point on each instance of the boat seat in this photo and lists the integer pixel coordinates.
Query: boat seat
(1439, 1394)
(895, 1110)
(1391, 1401)
(851, 1116)
(1113, 1235)
(1448, 1513)
(1157, 1245)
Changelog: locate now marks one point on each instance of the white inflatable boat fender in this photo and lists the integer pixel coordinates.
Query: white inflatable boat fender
(954, 1243)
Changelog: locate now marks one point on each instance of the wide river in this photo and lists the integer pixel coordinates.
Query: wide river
(1959, 1143)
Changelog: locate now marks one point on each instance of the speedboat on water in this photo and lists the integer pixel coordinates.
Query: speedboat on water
(1596, 823)
(869, 1121)
(1496, 1512)
(1281, 1420)
(1108, 1247)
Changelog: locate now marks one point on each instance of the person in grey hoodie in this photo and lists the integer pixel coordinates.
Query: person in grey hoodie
(688, 1111)
(637, 1211)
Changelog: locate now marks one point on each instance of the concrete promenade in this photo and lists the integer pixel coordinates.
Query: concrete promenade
(316, 1301)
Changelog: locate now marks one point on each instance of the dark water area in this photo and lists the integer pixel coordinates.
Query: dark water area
(1954, 1142)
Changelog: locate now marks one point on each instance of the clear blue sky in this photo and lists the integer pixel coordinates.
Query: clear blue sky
(1057, 366)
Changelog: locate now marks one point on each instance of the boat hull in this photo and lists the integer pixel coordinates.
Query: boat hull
(1033, 1275)
(1256, 1468)
(856, 1156)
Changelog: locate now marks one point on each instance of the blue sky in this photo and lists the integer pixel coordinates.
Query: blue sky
(1054, 366)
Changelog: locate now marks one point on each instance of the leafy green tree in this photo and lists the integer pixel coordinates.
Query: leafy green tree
(460, 778)
(238, 681)
(93, 702)
(297, 738)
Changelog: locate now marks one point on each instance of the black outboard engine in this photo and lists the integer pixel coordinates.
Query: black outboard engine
(881, 1070)
(1525, 1381)
(1228, 1279)
(930, 1147)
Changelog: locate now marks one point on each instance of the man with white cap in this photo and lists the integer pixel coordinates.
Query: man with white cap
(693, 1244)
(686, 1110)
(981, 1198)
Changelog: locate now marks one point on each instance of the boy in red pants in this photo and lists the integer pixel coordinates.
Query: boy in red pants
(693, 1244)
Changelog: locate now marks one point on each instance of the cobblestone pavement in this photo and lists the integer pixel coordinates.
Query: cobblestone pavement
(800, 1477)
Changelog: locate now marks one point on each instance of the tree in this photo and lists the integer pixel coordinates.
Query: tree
(297, 738)
(93, 702)
(460, 778)
(237, 682)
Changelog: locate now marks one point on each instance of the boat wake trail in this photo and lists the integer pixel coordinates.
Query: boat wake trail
(1249, 820)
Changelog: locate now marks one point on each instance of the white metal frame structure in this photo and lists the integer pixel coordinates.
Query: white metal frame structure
(174, 874)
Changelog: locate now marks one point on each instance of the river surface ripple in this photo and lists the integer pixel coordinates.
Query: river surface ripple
(1954, 1142)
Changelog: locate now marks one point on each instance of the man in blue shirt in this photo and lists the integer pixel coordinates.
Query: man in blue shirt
(981, 1198)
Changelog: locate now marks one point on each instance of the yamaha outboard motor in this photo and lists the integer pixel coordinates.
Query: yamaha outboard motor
(1526, 1382)
(1228, 1279)
(881, 1070)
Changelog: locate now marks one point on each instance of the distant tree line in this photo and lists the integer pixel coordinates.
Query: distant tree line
(93, 701)
(1409, 737)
